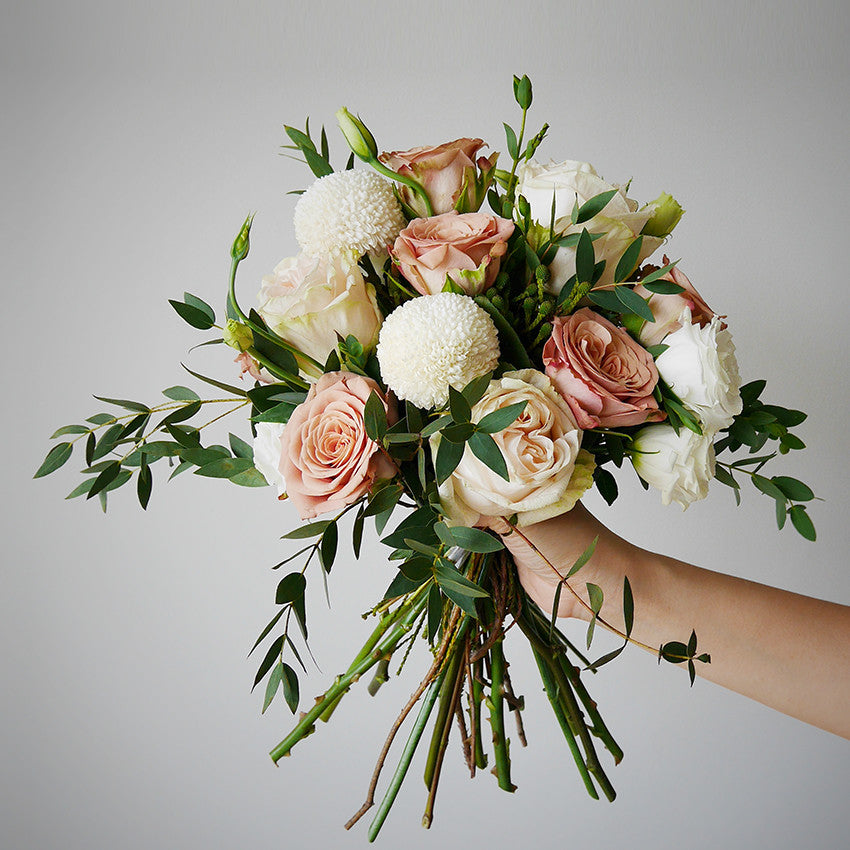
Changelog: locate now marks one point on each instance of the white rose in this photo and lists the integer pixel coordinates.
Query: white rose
(308, 301)
(679, 465)
(619, 221)
(700, 367)
(548, 473)
(267, 452)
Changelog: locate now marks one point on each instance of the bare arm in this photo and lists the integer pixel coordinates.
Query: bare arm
(788, 651)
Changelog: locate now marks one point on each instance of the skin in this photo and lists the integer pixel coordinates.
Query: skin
(787, 651)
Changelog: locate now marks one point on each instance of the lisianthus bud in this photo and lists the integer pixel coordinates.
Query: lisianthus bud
(359, 139)
(664, 218)
(237, 335)
(242, 242)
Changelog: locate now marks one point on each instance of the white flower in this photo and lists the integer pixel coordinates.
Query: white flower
(699, 365)
(548, 473)
(435, 341)
(619, 222)
(267, 452)
(308, 301)
(679, 465)
(348, 211)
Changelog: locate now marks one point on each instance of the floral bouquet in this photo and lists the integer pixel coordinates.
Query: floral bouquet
(444, 372)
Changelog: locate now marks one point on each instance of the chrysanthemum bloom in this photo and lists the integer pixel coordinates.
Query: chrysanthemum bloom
(433, 342)
(348, 211)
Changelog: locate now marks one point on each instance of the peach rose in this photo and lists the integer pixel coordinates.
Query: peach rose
(467, 247)
(605, 376)
(327, 460)
(668, 308)
(448, 173)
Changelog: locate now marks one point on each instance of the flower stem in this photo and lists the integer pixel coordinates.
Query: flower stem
(497, 717)
(407, 181)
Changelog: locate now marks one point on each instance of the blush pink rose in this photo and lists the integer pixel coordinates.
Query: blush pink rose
(605, 376)
(668, 308)
(327, 460)
(467, 247)
(449, 174)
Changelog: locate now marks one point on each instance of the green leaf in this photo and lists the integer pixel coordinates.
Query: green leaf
(449, 455)
(290, 687)
(606, 484)
(583, 558)
(458, 433)
(224, 467)
(634, 303)
(328, 546)
(435, 613)
(375, 417)
(106, 476)
(664, 287)
(513, 147)
(80, 489)
(594, 206)
(781, 514)
(658, 273)
(144, 484)
(674, 651)
(462, 600)
(474, 391)
(182, 413)
(69, 429)
(192, 315)
(273, 685)
(750, 392)
(725, 477)
(417, 568)
(789, 418)
(189, 438)
(312, 529)
(596, 597)
(584, 258)
(56, 457)
(484, 447)
(795, 490)
(692, 644)
(268, 661)
(101, 418)
(316, 163)
(179, 393)
(499, 419)
(449, 577)
(801, 520)
(628, 606)
(127, 405)
(628, 262)
(471, 539)
(459, 406)
(384, 499)
(768, 487)
(240, 448)
(214, 383)
(400, 586)
(290, 588)
(436, 425)
(357, 533)
(199, 304)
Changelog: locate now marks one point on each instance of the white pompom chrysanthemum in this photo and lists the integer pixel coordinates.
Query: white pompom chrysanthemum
(348, 211)
(435, 341)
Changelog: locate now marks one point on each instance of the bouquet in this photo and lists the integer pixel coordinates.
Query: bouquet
(445, 372)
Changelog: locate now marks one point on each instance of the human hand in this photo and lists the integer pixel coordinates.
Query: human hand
(544, 553)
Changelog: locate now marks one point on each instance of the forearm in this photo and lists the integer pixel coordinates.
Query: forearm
(787, 651)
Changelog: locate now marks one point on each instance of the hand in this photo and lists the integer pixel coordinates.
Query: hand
(544, 552)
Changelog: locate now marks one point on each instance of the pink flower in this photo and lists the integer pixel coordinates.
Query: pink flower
(605, 376)
(327, 460)
(467, 247)
(668, 308)
(448, 173)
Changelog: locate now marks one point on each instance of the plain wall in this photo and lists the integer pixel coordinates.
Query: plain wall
(136, 137)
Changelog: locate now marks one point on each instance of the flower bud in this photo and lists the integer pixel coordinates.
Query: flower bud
(359, 139)
(242, 243)
(522, 91)
(237, 335)
(665, 216)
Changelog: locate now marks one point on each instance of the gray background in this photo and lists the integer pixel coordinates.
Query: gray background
(136, 138)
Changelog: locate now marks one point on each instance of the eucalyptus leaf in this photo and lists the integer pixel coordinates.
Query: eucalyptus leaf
(56, 457)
